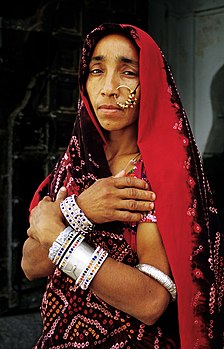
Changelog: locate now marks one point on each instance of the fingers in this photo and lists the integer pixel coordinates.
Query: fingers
(116, 198)
(29, 232)
(122, 173)
(124, 182)
(153, 195)
(136, 205)
(134, 186)
(46, 198)
(62, 194)
(137, 194)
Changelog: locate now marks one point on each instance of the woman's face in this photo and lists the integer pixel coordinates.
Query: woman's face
(115, 62)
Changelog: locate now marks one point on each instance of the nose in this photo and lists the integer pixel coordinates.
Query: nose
(109, 86)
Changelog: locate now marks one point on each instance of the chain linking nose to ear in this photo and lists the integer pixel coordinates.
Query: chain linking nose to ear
(131, 99)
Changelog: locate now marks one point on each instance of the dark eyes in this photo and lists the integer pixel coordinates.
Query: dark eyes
(95, 71)
(98, 71)
(128, 72)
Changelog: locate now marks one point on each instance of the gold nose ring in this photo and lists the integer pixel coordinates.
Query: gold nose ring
(131, 100)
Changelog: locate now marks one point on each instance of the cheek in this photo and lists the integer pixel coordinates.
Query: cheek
(91, 97)
(92, 92)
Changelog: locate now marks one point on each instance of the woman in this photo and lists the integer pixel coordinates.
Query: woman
(131, 130)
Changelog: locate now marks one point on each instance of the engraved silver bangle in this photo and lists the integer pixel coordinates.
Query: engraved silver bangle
(97, 259)
(70, 249)
(159, 276)
(63, 235)
(74, 215)
(78, 260)
(55, 247)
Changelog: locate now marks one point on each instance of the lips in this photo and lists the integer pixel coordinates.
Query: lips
(109, 107)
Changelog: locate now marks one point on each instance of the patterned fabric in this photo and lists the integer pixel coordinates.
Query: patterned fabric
(186, 217)
(76, 318)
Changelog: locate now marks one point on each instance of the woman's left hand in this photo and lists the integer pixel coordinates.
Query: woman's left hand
(46, 220)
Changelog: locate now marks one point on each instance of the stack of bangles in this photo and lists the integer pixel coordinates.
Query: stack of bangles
(79, 260)
(70, 252)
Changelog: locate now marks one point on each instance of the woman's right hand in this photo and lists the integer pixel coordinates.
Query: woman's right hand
(116, 198)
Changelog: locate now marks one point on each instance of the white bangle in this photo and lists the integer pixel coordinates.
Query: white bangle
(74, 215)
(97, 259)
(69, 250)
(159, 276)
(78, 260)
(57, 244)
(83, 263)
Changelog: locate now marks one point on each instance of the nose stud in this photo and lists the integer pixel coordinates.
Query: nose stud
(131, 100)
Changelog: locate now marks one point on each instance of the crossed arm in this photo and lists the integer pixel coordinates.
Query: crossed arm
(120, 285)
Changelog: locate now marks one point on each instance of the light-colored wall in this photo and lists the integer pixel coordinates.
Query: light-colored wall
(191, 34)
(209, 53)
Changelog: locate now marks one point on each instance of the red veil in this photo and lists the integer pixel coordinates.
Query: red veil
(187, 218)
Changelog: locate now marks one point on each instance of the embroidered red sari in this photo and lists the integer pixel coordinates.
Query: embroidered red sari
(186, 217)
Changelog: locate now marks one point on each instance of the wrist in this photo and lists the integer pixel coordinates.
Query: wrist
(76, 258)
(75, 216)
(52, 235)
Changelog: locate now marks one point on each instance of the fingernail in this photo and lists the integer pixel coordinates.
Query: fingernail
(62, 189)
(153, 196)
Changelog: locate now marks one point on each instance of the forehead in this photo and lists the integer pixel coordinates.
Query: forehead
(115, 45)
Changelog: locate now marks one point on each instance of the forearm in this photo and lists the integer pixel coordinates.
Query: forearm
(129, 290)
(124, 287)
(120, 285)
(35, 262)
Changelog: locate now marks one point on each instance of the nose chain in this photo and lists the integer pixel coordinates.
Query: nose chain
(131, 100)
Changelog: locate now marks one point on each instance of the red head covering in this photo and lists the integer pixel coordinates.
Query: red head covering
(187, 219)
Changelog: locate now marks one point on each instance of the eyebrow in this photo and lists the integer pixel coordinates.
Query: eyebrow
(124, 59)
(121, 59)
(97, 58)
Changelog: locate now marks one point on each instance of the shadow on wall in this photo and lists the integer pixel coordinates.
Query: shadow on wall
(214, 150)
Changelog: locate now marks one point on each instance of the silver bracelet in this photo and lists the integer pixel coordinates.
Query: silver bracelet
(78, 260)
(69, 250)
(159, 276)
(83, 264)
(55, 247)
(98, 258)
(74, 215)
(75, 257)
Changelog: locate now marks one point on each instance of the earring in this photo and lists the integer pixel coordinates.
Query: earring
(131, 100)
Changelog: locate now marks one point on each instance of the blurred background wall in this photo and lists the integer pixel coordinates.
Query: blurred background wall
(40, 43)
